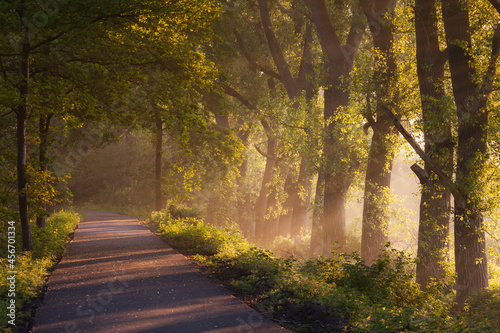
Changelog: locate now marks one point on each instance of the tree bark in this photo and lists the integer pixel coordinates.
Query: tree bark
(435, 204)
(379, 14)
(22, 115)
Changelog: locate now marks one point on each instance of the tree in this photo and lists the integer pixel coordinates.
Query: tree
(471, 98)
(435, 205)
(472, 85)
(268, 45)
(380, 16)
(338, 171)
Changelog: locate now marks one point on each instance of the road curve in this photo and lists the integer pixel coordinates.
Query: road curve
(116, 276)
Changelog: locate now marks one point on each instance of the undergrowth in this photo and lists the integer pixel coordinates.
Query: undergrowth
(33, 268)
(336, 294)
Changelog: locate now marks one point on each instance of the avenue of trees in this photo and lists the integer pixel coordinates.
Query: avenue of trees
(263, 113)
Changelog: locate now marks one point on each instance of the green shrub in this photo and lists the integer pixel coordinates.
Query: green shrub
(177, 211)
(50, 241)
(34, 268)
(194, 236)
(336, 294)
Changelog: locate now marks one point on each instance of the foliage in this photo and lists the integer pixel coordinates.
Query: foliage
(192, 235)
(45, 188)
(34, 268)
(339, 293)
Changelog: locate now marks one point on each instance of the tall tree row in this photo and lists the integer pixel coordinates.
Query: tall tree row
(88, 62)
(250, 101)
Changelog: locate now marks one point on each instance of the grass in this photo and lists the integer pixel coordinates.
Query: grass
(33, 268)
(336, 294)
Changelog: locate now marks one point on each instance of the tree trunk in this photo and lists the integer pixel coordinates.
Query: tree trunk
(376, 203)
(44, 125)
(244, 206)
(158, 156)
(262, 201)
(338, 178)
(380, 14)
(334, 222)
(470, 101)
(271, 220)
(22, 115)
(317, 223)
(435, 200)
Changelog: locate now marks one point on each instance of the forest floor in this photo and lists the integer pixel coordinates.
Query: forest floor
(117, 276)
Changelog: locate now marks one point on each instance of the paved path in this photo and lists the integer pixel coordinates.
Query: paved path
(116, 276)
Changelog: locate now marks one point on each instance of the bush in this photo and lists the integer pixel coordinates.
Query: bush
(50, 241)
(194, 236)
(34, 268)
(336, 294)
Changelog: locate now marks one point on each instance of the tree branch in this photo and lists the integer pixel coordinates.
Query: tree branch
(6, 114)
(447, 181)
(251, 61)
(422, 175)
(330, 42)
(487, 85)
(231, 92)
(276, 52)
(272, 157)
(47, 41)
(496, 4)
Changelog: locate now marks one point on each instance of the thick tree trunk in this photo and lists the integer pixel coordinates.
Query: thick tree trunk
(380, 159)
(22, 115)
(435, 198)
(470, 101)
(44, 125)
(338, 174)
(376, 203)
(158, 156)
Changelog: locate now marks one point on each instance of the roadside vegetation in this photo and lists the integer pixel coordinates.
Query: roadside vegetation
(335, 294)
(33, 268)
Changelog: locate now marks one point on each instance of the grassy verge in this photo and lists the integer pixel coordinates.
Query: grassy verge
(33, 268)
(338, 294)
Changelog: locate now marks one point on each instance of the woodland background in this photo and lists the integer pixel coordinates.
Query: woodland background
(288, 119)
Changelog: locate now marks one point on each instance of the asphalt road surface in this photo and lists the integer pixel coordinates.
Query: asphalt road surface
(116, 276)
